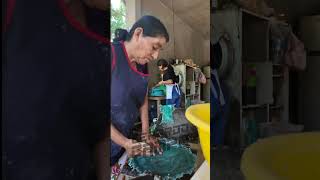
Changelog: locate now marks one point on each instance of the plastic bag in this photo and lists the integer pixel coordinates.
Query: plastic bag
(202, 78)
(295, 56)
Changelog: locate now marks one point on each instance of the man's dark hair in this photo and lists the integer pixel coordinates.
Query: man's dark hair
(163, 63)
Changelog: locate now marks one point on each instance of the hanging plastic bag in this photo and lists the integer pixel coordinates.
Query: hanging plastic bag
(202, 78)
(295, 56)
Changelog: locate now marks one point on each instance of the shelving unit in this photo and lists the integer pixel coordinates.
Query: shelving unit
(190, 87)
(266, 99)
(271, 88)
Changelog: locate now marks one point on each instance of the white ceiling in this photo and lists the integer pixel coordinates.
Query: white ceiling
(195, 13)
(295, 9)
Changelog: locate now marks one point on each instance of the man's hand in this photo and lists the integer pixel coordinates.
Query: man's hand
(135, 148)
(160, 83)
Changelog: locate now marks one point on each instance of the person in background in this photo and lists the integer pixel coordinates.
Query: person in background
(119, 35)
(169, 78)
(167, 72)
(129, 95)
(55, 92)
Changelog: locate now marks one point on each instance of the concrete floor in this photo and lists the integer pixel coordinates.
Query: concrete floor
(226, 165)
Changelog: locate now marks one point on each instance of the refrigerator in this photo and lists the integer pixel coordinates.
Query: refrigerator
(309, 96)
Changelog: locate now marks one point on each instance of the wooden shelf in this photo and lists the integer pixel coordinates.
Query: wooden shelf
(188, 95)
(255, 14)
(264, 17)
(277, 64)
(276, 107)
(277, 76)
(253, 106)
(194, 67)
(250, 60)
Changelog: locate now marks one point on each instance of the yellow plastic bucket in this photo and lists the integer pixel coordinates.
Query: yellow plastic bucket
(286, 157)
(199, 115)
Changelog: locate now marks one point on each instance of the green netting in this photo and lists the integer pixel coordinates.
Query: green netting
(175, 161)
(158, 91)
(167, 114)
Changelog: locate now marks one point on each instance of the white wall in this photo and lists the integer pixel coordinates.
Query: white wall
(184, 41)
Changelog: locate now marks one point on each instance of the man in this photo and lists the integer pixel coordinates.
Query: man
(169, 78)
(167, 73)
(55, 89)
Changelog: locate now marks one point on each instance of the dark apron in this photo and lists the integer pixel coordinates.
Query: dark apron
(128, 91)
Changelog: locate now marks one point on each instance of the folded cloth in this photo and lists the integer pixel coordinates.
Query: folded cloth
(169, 88)
(175, 96)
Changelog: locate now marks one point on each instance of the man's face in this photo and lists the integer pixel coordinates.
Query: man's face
(162, 69)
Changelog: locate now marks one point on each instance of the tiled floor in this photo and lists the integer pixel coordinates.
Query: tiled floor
(226, 165)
